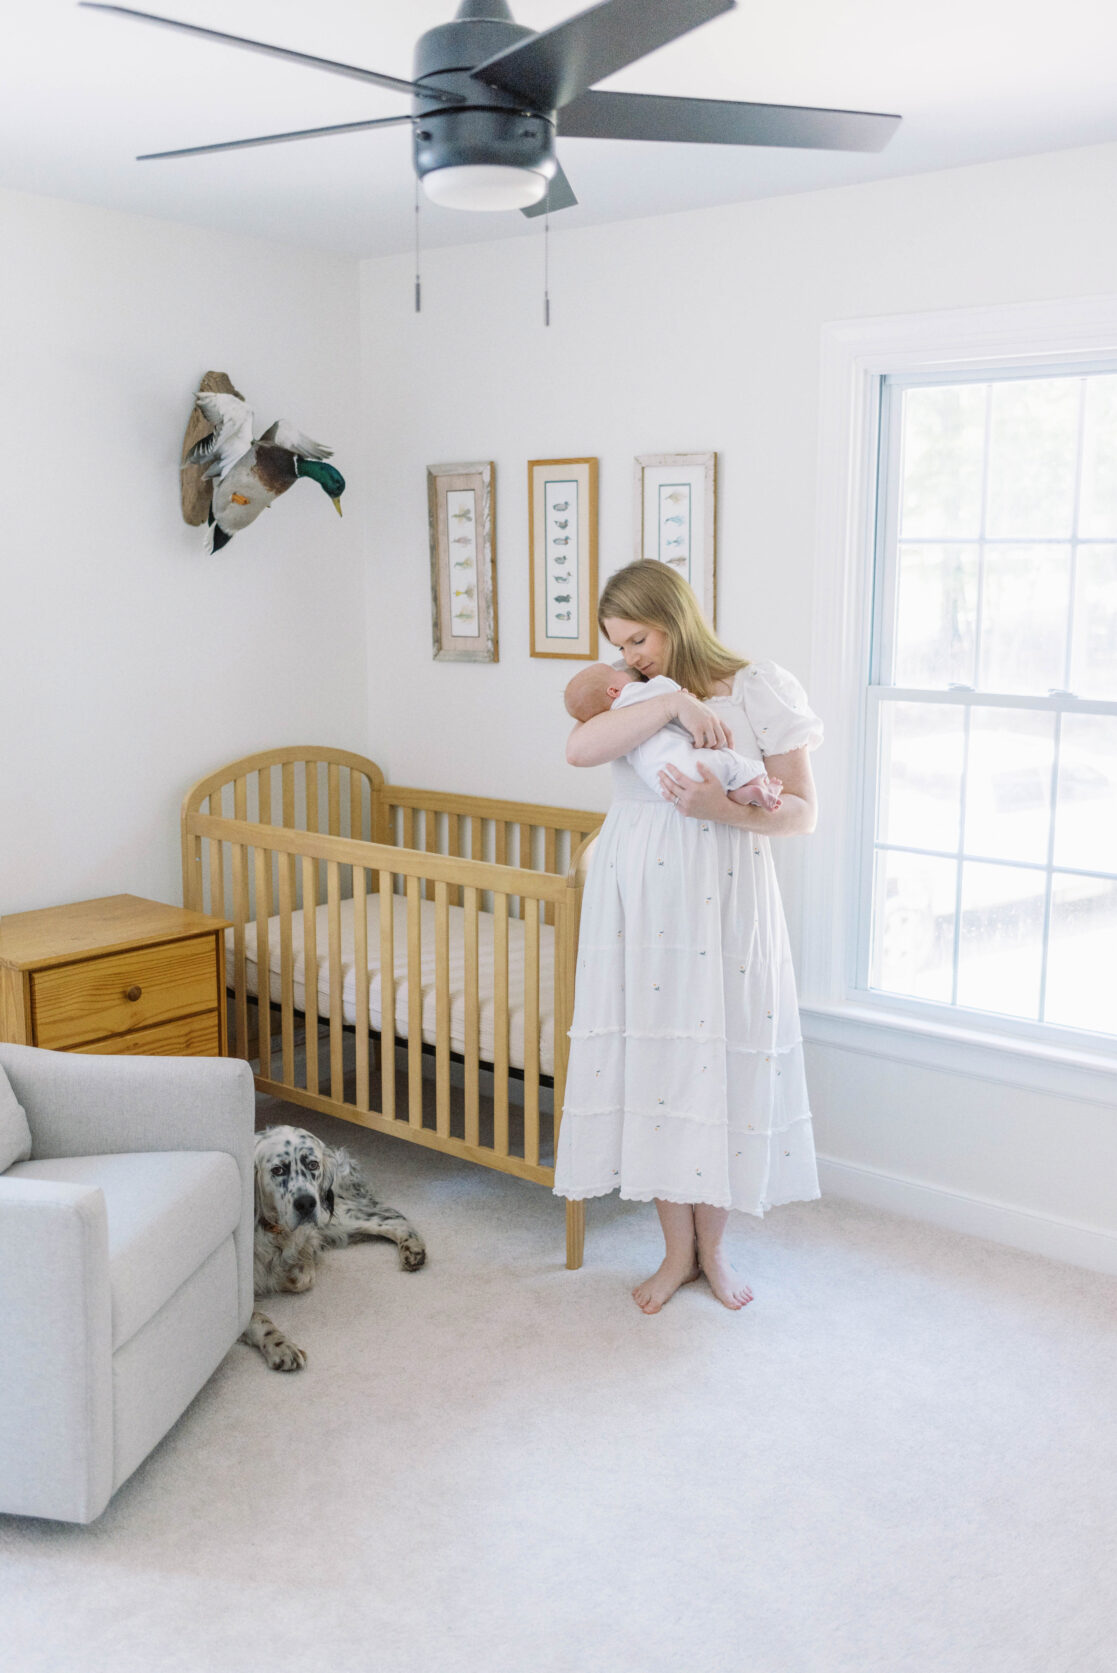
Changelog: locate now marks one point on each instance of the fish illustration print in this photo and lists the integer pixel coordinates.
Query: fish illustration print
(677, 497)
(462, 516)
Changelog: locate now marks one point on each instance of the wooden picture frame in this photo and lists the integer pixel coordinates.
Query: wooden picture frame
(562, 542)
(461, 505)
(675, 518)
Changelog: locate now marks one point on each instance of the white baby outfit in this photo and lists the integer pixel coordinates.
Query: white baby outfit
(685, 1079)
(673, 746)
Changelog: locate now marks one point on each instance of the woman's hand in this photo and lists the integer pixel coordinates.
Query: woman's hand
(701, 798)
(701, 722)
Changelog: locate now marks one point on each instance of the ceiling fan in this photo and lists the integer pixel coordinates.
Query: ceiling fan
(489, 97)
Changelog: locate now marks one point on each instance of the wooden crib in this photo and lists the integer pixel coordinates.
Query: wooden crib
(428, 990)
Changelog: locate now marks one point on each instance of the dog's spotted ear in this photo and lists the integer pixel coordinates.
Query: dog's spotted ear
(329, 1174)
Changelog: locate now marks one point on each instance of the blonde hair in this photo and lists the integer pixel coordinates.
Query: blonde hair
(653, 594)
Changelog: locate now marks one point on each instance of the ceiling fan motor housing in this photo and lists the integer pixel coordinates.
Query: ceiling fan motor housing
(492, 126)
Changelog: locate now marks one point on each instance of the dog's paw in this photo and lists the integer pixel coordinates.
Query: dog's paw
(412, 1253)
(282, 1355)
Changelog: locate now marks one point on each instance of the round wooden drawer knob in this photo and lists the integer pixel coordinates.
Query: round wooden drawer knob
(132, 993)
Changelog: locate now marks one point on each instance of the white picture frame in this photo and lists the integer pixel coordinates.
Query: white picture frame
(675, 518)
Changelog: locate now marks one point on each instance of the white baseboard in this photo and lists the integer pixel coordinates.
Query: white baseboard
(1039, 1234)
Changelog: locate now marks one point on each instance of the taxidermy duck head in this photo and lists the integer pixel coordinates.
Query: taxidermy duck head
(326, 476)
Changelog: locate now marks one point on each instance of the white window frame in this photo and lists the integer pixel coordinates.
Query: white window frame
(1015, 339)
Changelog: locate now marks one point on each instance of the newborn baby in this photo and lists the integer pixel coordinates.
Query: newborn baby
(600, 687)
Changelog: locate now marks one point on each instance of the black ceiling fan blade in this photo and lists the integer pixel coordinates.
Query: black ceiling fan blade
(559, 196)
(555, 66)
(276, 139)
(352, 70)
(723, 122)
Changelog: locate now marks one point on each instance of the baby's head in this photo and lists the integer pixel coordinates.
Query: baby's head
(595, 689)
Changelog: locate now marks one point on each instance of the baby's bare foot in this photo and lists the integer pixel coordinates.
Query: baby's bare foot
(651, 1295)
(730, 1290)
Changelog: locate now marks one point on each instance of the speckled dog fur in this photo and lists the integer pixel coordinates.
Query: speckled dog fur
(310, 1197)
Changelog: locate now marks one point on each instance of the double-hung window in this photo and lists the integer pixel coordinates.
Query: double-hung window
(988, 864)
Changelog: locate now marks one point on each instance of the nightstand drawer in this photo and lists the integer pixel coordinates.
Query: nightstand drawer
(123, 992)
(185, 1037)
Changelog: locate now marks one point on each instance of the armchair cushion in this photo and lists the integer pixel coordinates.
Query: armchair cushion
(167, 1212)
(15, 1134)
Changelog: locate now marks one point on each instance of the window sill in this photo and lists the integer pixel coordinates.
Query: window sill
(1088, 1077)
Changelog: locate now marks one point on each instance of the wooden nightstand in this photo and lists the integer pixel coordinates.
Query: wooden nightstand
(115, 975)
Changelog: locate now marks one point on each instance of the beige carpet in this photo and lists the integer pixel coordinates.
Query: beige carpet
(902, 1456)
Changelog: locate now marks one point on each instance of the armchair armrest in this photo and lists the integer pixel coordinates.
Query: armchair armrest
(56, 1444)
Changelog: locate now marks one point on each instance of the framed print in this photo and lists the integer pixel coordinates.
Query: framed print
(463, 562)
(676, 518)
(562, 539)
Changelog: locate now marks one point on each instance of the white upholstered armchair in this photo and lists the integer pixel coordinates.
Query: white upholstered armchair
(125, 1261)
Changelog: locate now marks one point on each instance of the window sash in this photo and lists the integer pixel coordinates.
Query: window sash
(879, 691)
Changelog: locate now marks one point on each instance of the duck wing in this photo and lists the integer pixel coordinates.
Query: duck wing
(231, 439)
(285, 435)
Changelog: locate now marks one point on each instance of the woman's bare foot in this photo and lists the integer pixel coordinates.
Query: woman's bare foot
(730, 1290)
(651, 1295)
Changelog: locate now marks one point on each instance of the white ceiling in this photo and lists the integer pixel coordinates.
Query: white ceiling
(82, 92)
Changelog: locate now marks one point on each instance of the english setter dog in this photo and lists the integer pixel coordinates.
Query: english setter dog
(310, 1197)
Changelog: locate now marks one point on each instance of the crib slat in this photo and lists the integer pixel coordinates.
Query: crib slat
(531, 1031)
(414, 1005)
(500, 832)
(240, 798)
(408, 828)
(337, 1035)
(472, 1020)
(430, 842)
(549, 864)
(310, 775)
(500, 1024)
(240, 971)
(263, 962)
(362, 1039)
(288, 772)
(387, 997)
(356, 806)
(476, 839)
(263, 802)
(216, 865)
(333, 782)
(442, 1007)
(286, 965)
(453, 848)
(310, 970)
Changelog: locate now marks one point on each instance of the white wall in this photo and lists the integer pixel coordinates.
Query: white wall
(131, 662)
(700, 331)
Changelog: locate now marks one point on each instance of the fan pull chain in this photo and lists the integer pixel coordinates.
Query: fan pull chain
(418, 280)
(547, 258)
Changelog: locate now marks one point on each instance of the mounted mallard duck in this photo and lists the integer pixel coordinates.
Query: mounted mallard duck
(249, 475)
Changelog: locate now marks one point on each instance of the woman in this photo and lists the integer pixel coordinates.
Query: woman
(685, 1083)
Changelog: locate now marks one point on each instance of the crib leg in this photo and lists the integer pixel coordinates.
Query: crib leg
(575, 1234)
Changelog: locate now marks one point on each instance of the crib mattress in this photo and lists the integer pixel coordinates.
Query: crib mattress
(456, 915)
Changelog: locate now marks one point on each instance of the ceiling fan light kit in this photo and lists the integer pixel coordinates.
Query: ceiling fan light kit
(484, 186)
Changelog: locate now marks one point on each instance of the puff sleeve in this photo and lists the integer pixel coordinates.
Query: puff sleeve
(778, 711)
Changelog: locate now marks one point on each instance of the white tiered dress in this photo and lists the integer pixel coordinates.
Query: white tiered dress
(685, 1079)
